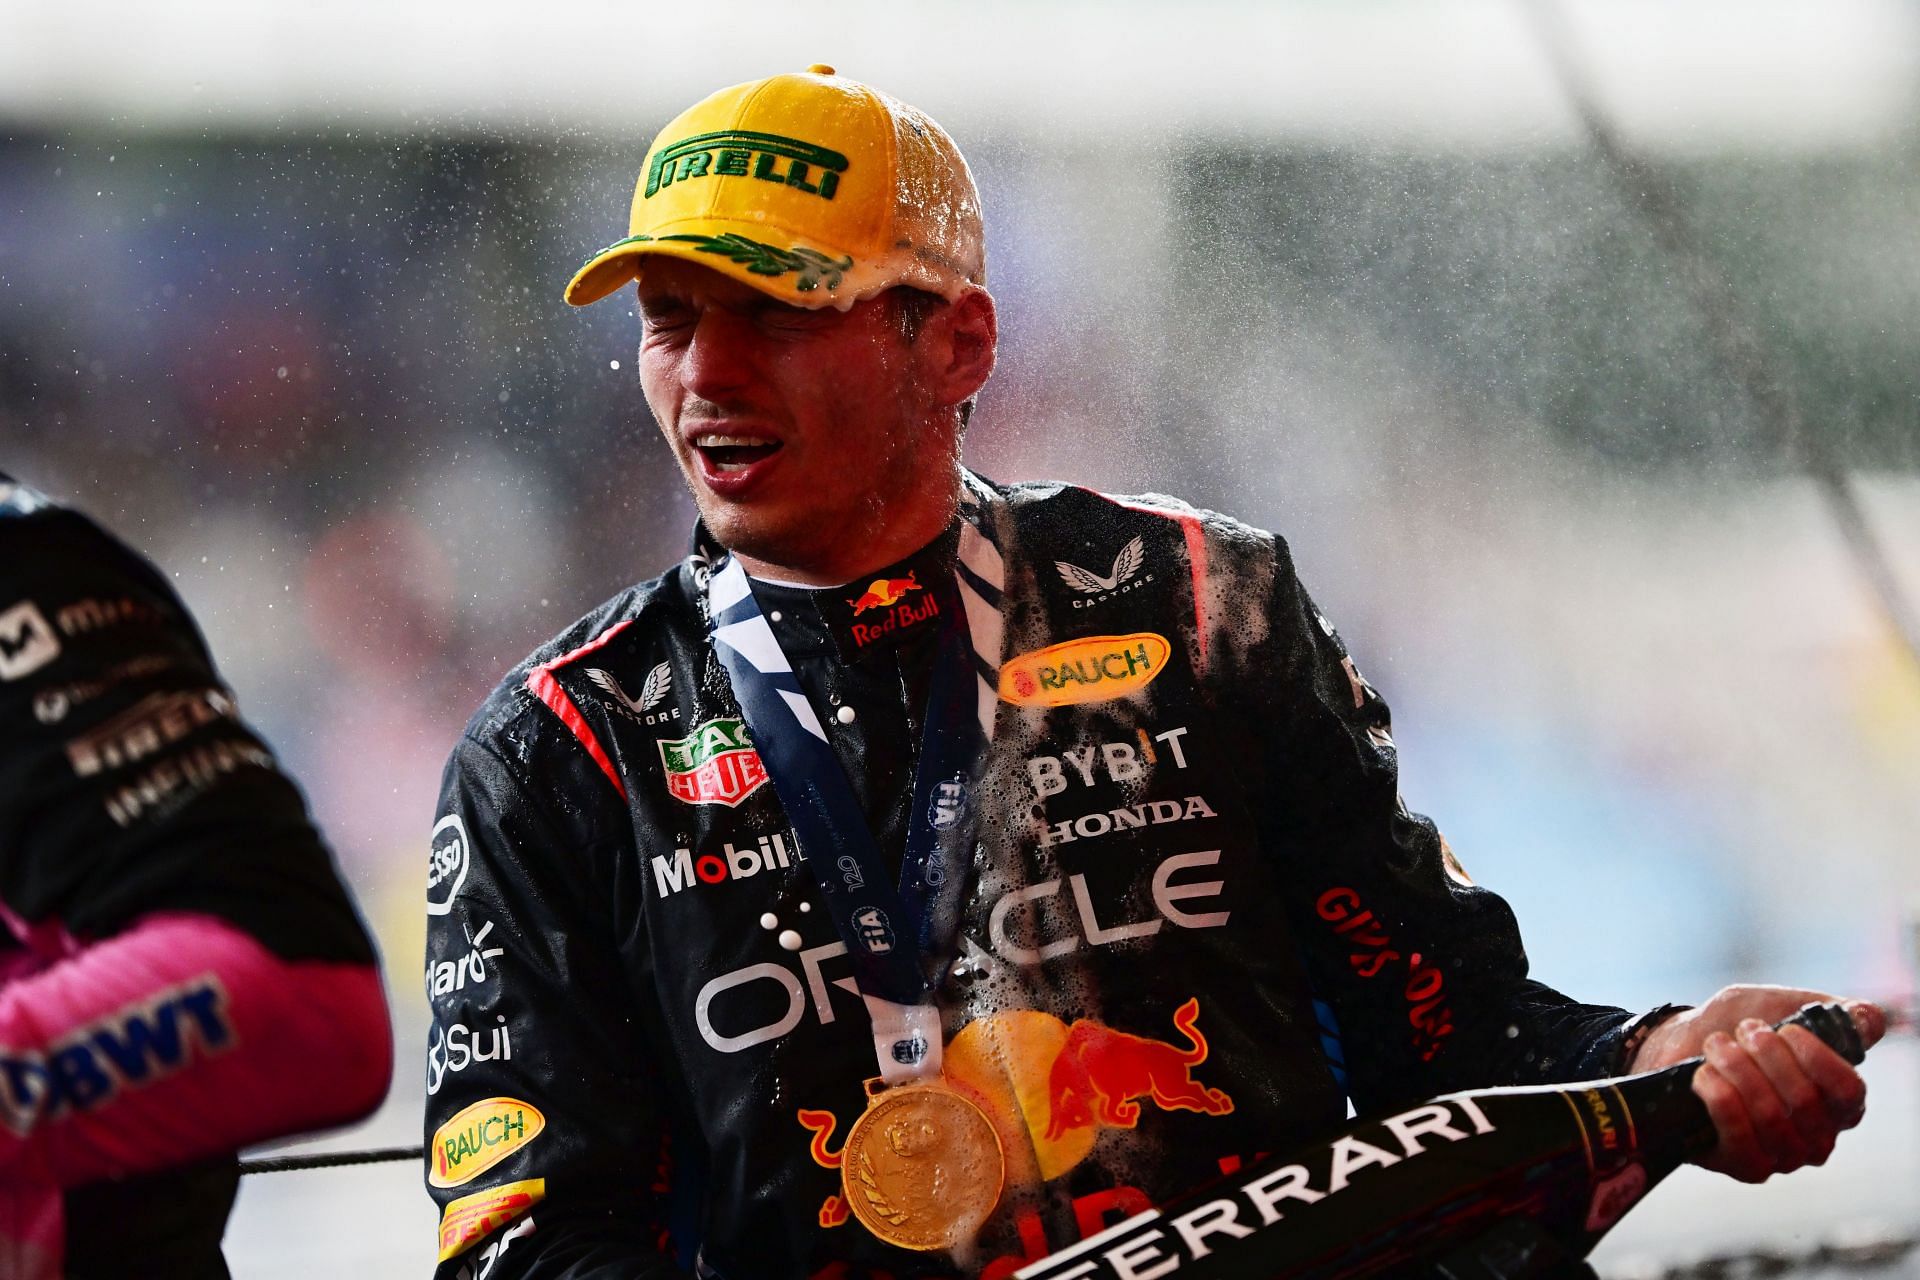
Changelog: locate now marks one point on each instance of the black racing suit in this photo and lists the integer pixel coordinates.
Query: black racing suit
(181, 971)
(1200, 921)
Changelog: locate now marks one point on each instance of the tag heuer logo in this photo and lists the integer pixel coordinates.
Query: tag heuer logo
(715, 764)
(652, 693)
(27, 643)
(1124, 576)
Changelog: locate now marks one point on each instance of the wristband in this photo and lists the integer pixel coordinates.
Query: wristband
(1634, 1033)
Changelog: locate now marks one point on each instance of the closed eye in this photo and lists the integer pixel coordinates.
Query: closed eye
(777, 318)
(665, 315)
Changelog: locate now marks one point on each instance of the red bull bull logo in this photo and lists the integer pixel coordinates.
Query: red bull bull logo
(833, 1210)
(1101, 1076)
(883, 593)
(1051, 1088)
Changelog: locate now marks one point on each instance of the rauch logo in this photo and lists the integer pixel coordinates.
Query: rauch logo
(1096, 669)
(481, 1136)
(715, 764)
(1060, 1085)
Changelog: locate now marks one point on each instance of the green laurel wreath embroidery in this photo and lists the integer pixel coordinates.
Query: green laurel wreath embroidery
(815, 268)
(767, 260)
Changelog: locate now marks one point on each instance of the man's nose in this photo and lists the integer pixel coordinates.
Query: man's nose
(719, 355)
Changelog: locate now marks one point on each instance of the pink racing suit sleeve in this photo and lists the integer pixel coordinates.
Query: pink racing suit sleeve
(178, 1038)
(182, 970)
(31, 1226)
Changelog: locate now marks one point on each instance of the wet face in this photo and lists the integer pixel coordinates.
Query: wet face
(812, 440)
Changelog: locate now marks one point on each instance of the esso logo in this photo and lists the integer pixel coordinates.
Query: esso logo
(446, 864)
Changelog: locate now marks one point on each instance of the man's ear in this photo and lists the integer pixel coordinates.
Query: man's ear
(966, 334)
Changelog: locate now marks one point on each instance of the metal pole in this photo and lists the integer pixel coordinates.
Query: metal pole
(1734, 340)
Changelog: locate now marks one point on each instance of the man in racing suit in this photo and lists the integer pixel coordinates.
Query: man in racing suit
(1191, 920)
(181, 972)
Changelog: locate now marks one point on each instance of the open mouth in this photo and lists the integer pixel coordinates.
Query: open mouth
(727, 454)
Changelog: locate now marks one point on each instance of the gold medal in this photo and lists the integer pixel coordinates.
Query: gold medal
(922, 1167)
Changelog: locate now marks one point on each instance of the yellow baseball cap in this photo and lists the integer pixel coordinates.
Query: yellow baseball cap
(813, 188)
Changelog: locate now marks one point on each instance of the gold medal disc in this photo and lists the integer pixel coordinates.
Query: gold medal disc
(922, 1168)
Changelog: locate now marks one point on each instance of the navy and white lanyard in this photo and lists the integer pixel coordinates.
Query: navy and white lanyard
(889, 932)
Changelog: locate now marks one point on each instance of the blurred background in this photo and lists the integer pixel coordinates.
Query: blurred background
(1573, 347)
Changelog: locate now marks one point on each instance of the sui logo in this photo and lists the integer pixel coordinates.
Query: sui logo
(875, 931)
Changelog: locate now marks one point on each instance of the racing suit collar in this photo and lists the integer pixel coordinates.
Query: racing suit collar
(873, 614)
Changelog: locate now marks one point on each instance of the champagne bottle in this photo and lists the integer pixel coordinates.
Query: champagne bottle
(1391, 1195)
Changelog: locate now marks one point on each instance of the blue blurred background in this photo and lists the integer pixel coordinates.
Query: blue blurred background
(280, 302)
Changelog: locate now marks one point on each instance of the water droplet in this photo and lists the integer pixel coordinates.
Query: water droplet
(790, 940)
(768, 920)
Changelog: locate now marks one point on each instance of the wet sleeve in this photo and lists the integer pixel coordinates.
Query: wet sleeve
(129, 782)
(543, 1131)
(184, 972)
(1420, 974)
(178, 1039)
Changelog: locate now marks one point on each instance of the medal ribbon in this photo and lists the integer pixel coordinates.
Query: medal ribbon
(889, 932)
